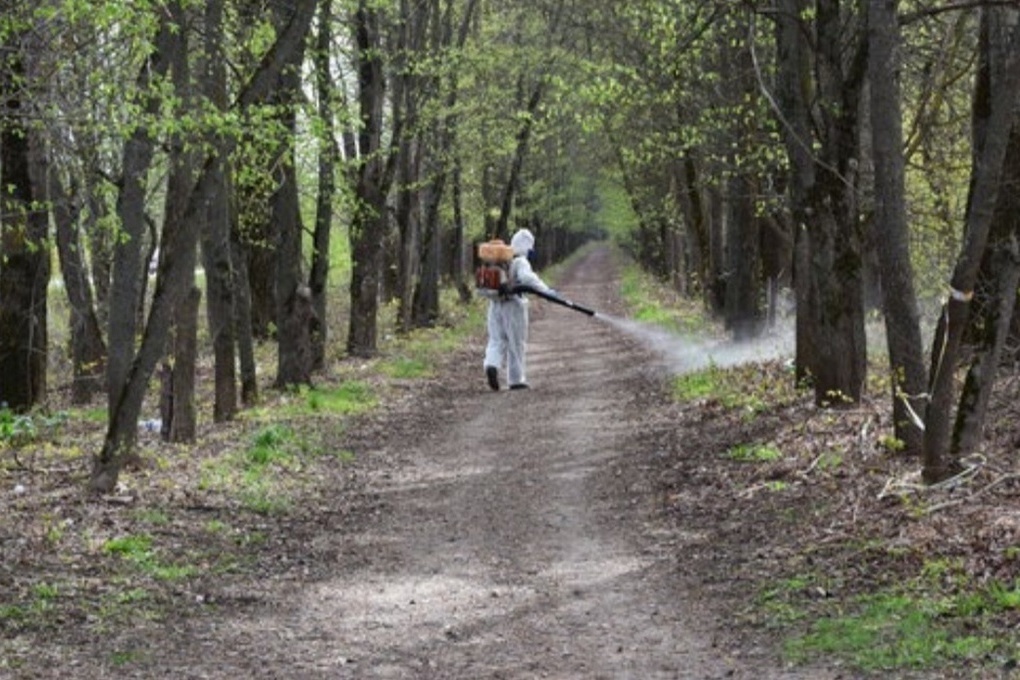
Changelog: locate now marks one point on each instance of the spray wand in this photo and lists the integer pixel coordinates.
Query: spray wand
(554, 298)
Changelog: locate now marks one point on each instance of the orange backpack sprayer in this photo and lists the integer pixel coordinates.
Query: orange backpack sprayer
(494, 271)
(493, 274)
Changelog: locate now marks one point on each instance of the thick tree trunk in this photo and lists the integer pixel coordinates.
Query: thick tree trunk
(409, 227)
(293, 355)
(696, 227)
(215, 240)
(899, 301)
(743, 283)
(426, 294)
(831, 348)
(994, 305)
(183, 422)
(375, 176)
(25, 264)
(794, 98)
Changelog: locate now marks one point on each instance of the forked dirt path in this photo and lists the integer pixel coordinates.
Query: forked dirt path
(514, 535)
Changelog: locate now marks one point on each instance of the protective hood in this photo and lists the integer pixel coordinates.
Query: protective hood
(522, 242)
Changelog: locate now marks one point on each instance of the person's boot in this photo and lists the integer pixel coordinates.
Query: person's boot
(493, 376)
(519, 386)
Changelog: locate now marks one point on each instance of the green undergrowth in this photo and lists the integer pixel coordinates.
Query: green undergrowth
(652, 302)
(419, 353)
(867, 611)
(751, 388)
(940, 617)
(269, 474)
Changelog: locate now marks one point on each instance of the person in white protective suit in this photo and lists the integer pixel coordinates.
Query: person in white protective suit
(508, 318)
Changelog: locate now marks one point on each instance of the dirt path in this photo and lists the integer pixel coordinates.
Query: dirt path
(505, 535)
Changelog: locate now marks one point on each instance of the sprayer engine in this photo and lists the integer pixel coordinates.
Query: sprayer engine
(494, 271)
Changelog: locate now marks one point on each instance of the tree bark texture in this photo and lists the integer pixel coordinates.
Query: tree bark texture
(329, 154)
(374, 178)
(743, 283)
(995, 108)
(220, 275)
(899, 300)
(88, 350)
(994, 306)
(24, 254)
(128, 270)
(176, 271)
(794, 85)
(293, 345)
(831, 348)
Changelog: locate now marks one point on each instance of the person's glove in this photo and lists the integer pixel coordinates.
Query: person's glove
(505, 290)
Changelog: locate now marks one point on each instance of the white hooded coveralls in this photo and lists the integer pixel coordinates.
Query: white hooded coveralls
(508, 316)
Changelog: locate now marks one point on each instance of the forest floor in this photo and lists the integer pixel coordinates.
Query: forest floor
(593, 526)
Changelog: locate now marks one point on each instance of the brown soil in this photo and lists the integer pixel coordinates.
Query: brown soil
(585, 528)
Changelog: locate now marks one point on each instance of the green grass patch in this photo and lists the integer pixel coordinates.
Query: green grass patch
(892, 631)
(268, 473)
(941, 617)
(124, 658)
(272, 444)
(12, 613)
(754, 453)
(652, 302)
(350, 397)
(407, 368)
(92, 415)
(153, 516)
(139, 551)
(751, 388)
(132, 547)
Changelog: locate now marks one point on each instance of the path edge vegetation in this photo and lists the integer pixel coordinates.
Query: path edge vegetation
(872, 603)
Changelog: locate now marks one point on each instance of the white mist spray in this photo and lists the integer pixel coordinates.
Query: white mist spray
(686, 353)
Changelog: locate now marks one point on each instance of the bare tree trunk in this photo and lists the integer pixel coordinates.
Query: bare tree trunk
(375, 176)
(215, 239)
(743, 283)
(831, 347)
(426, 294)
(183, 422)
(457, 243)
(794, 96)
(125, 288)
(88, 351)
(899, 300)
(176, 271)
(997, 313)
(994, 306)
(242, 320)
(517, 163)
(318, 275)
(293, 367)
(409, 225)
(25, 266)
(995, 96)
